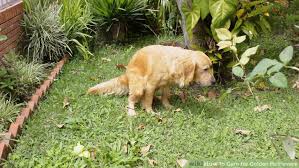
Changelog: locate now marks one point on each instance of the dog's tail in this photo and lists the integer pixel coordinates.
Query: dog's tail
(117, 86)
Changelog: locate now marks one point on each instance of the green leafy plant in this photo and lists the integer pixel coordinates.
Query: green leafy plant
(271, 68)
(44, 36)
(235, 15)
(166, 15)
(119, 17)
(228, 42)
(266, 68)
(76, 19)
(8, 112)
(251, 17)
(18, 77)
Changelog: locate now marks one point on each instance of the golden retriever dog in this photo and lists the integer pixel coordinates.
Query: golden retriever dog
(158, 67)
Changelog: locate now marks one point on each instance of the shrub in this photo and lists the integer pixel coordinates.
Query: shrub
(44, 37)
(8, 112)
(166, 16)
(19, 77)
(235, 15)
(76, 19)
(116, 18)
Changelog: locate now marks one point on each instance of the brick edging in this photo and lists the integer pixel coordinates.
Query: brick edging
(7, 143)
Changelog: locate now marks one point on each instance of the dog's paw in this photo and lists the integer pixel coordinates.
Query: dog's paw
(132, 113)
(168, 106)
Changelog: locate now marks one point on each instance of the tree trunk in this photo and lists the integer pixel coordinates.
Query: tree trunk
(183, 25)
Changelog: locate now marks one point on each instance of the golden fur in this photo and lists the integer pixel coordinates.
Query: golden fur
(157, 67)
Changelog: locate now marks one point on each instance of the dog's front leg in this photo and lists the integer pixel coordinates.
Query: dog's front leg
(147, 100)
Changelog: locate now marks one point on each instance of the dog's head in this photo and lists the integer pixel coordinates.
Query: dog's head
(196, 68)
(203, 72)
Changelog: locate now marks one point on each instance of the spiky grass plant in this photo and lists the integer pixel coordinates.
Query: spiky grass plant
(45, 40)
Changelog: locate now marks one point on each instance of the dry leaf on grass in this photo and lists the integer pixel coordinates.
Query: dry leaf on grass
(178, 110)
(66, 102)
(141, 127)
(242, 132)
(296, 85)
(93, 154)
(201, 98)
(104, 59)
(60, 125)
(183, 96)
(144, 150)
(262, 108)
(247, 93)
(126, 148)
(213, 94)
(93, 78)
(289, 147)
(182, 162)
(152, 162)
(121, 67)
(160, 119)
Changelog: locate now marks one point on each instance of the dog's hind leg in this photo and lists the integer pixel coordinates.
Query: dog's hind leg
(136, 91)
(148, 97)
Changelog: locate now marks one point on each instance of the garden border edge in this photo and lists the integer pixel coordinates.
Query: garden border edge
(15, 128)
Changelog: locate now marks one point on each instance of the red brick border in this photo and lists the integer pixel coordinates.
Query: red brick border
(7, 143)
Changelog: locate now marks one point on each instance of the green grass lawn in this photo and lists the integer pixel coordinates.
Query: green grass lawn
(200, 130)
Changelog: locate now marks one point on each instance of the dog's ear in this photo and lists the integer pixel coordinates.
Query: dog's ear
(184, 72)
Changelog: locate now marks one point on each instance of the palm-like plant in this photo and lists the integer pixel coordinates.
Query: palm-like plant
(120, 16)
(166, 14)
(77, 19)
(44, 39)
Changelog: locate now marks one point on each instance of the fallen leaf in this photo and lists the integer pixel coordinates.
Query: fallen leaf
(289, 147)
(60, 125)
(201, 98)
(161, 119)
(66, 102)
(126, 148)
(178, 110)
(262, 108)
(121, 67)
(132, 142)
(144, 150)
(78, 149)
(104, 59)
(93, 154)
(85, 154)
(242, 132)
(182, 162)
(296, 85)
(247, 93)
(183, 96)
(212, 94)
(141, 127)
(93, 78)
(152, 162)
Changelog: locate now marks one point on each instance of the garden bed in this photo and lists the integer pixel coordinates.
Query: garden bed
(193, 130)
(8, 138)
